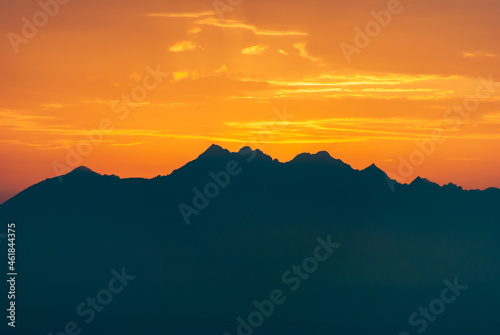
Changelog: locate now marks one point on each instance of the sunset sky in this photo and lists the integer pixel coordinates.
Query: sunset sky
(272, 74)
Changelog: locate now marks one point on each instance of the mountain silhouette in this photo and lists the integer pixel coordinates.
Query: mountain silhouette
(217, 234)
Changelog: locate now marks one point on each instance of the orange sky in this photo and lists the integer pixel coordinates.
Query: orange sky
(269, 74)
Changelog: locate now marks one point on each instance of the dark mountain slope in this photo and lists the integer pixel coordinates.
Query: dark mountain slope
(396, 249)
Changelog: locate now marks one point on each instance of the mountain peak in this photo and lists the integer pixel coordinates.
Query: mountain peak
(81, 172)
(322, 157)
(257, 153)
(323, 154)
(245, 149)
(82, 169)
(308, 157)
(373, 169)
(451, 186)
(419, 182)
(214, 151)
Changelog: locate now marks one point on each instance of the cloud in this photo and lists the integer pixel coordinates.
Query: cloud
(478, 54)
(223, 69)
(193, 74)
(125, 144)
(194, 30)
(240, 25)
(183, 46)
(185, 75)
(352, 129)
(492, 118)
(283, 52)
(388, 86)
(303, 52)
(463, 159)
(182, 15)
(53, 105)
(16, 119)
(255, 50)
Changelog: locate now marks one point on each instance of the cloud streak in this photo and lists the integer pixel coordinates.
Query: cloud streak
(183, 46)
(234, 24)
(194, 15)
(255, 50)
(304, 53)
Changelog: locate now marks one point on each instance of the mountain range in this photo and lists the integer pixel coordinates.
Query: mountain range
(211, 238)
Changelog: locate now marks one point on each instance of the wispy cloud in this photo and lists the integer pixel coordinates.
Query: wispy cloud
(463, 159)
(475, 54)
(304, 53)
(125, 144)
(17, 119)
(53, 105)
(492, 118)
(354, 129)
(240, 25)
(365, 86)
(255, 50)
(185, 75)
(183, 46)
(194, 15)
